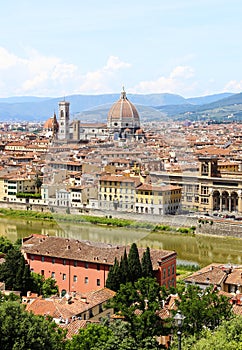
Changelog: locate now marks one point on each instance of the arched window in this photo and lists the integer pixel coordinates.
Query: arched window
(63, 292)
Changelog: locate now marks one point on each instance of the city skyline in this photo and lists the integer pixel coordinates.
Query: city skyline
(61, 48)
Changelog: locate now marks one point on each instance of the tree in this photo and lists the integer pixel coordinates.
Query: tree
(202, 308)
(124, 269)
(146, 264)
(120, 339)
(5, 245)
(15, 273)
(135, 271)
(92, 337)
(38, 183)
(38, 281)
(138, 304)
(113, 279)
(45, 287)
(228, 336)
(21, 330)
(9, 297)
(49, 287)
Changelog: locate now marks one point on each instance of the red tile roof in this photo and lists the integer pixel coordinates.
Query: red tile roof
(84, 250)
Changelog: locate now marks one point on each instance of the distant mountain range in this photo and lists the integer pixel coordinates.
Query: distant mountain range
(95, 107)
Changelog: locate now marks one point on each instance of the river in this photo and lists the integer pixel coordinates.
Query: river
(197, 249)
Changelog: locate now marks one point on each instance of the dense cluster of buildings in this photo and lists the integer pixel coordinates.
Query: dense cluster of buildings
(119, 166)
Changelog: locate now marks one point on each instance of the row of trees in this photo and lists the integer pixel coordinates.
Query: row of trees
(130, 268)
(17, 275)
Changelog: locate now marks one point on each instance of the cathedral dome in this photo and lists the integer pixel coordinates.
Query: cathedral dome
(51, 124)
(48, 125)
(123, 114)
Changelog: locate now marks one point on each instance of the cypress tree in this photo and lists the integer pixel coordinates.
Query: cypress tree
(135, 271)
(146, 264)
(113, 280)
(15, 273)
(124, 269)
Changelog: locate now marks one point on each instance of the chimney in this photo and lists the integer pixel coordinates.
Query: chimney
(84, 300)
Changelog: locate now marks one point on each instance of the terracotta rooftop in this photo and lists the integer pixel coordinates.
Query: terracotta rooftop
(69, 306)
(235, 277)
(214, 275)
(84, 250)
(150, 187)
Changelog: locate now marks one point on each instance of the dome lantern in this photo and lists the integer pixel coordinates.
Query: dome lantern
(122, 115)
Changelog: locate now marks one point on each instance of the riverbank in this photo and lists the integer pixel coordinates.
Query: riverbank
(191, 248)
(97, 220)
(176, 224)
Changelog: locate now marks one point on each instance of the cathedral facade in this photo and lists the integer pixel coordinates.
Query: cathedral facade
(123, 122)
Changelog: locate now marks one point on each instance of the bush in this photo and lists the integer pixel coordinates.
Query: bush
(28, 195)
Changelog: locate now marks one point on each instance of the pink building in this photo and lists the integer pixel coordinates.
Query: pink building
(83, 266)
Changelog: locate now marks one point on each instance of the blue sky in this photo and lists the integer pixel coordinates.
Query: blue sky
(57, 47)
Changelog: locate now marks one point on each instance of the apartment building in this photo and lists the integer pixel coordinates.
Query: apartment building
(128, 192)
(157, 200)
(79, 266)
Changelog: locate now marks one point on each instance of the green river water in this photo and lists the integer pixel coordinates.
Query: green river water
(193, 249)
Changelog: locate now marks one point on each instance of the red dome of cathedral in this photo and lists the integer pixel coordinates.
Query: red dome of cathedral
(51, 124)
(123, 114)
(48, 125)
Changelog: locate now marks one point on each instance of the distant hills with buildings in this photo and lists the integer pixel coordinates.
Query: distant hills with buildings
(94, 108)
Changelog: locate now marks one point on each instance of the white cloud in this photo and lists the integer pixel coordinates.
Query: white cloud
(178, 81)
(7, 59)
(101, 80)
(233, 85)
(34, 74)
(39, 75)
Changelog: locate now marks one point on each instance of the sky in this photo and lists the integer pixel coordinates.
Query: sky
(58, 48)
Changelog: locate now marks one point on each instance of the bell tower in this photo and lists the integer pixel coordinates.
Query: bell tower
(64, 118)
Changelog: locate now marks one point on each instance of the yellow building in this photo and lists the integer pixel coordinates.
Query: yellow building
(128, 193)
(157, 200)
(117, 192)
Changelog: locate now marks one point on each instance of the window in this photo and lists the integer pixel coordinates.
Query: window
(164, 273)
(98, 267)
(32, 257)
(204, 190)
(42, 272)
(204, 200)
(53, 260)
(75, 263)
(64, 261)
(64, 276)
(86, 265)
(42, 258)
(98, 282)
(53, 275)
(86, 280)
(74, 278)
